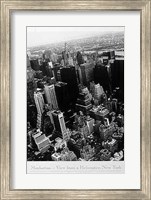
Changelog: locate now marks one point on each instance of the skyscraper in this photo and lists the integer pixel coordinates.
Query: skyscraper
(117, 72)
(49, 113)
(86, 75)
(56, 71)
(68, 75)
(79, 58)
(51, 96)
(32, 115)
(62, 95)
(98, 91)
(83, 102)
(39, 101)
(59, 122)
(90, 124)
(102, 76)
(35, 64)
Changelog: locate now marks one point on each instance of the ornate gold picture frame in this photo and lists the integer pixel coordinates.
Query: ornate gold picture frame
(7, 6)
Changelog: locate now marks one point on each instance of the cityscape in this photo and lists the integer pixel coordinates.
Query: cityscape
(75, 98)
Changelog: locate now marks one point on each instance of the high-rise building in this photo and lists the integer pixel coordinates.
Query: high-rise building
(49, 113)
(62, 95)
(51, 95)
(98, 91)
(117, 75)
(68, 75)
(39, 101)
(102, 76)
(83, 102)
(31, 87)
(59, 122)
(86, 75)
(56, 71)
(54, 57)
(92, 88)
(46, 124)
(79, 58)
(42, 142)
(70, 60)
(32, 115)
(90, 124)
(47, 69)
(35, 64)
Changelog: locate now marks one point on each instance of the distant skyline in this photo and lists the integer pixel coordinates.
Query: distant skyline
(46, 35)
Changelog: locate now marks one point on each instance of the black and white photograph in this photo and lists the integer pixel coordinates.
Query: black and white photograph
(75, 93)
(75, 99)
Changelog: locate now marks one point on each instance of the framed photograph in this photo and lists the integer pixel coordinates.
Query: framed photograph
(75, 99)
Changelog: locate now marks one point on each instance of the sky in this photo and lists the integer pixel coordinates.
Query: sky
(47, 35)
